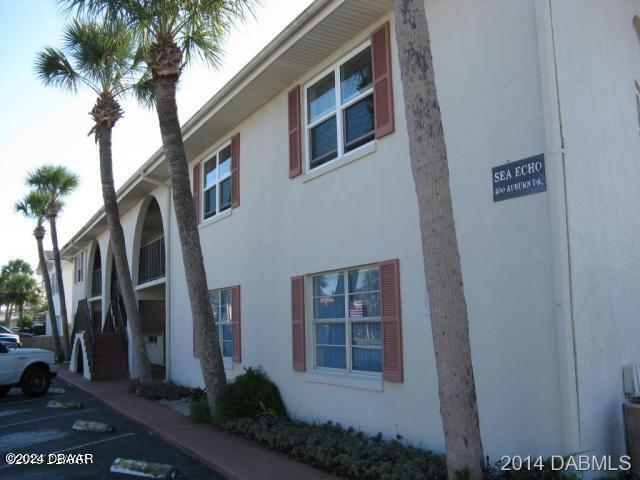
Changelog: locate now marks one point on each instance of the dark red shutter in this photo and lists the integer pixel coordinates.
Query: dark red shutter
(235, 323)
(391, 321)
(196, 190)
(295, 148)
(382, 86)
(297, 323)
(235, 170)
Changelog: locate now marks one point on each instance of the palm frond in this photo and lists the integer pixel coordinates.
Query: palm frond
(53, 68)
(143, 91)
(56, 180)
(34, 205)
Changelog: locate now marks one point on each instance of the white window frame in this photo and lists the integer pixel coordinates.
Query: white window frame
(219, 324)
(79, 268)
(218, 181)
(347, 321)
(338, 110)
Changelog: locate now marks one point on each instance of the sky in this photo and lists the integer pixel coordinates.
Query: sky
(42, 125)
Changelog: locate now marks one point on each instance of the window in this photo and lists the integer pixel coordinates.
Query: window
(339, 109)
(346, 320)
(222, 316)
(79, 261)
(216, 182)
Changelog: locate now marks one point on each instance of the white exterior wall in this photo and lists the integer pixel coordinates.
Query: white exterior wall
(67, 279)
(365, 212)
(598, 56)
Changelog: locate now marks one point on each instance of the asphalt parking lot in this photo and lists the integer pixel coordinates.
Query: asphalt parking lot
(29, 426)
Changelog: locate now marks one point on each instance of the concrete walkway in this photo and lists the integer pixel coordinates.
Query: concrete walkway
(231, 456)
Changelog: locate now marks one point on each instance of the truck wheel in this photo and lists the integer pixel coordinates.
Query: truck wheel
(35, 381)
(4, 389)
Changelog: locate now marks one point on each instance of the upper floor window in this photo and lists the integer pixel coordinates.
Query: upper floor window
(221, 301)
(79, 262)
(339, 109)
(216, 182)
(346, 320)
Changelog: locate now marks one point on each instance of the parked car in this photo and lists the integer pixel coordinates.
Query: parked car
(32, 369)
(6, 335)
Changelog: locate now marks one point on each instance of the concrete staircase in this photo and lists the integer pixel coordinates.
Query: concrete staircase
(109, 357)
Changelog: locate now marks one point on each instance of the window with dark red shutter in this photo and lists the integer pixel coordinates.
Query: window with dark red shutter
(382, 86)
(235, 170)
(235, 323)
(196, 190)
(295, 147)
(297, 323)
(392, 370)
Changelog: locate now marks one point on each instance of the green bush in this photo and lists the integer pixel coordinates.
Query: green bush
(163, 390)
(199, 410)
(342, 452)
(249, 395)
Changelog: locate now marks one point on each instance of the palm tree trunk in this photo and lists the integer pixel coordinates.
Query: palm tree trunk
(208, 347)
(7, 315)
(120, 255)
(52, 312)
(61, 296)
(448, 307)
(20, 316)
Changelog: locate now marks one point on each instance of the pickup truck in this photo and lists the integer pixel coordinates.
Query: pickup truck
(29, 368)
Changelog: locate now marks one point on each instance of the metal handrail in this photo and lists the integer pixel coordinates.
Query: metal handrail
(118, 313)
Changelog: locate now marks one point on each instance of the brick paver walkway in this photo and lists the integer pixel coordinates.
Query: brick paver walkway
(231, 456)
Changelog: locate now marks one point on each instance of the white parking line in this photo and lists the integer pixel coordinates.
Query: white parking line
(96, 442)
(2, 404)
(46, 418)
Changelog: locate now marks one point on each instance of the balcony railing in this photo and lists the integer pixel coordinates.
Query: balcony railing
(96, 282)
(152, 260)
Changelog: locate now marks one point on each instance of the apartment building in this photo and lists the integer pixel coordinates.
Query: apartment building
(309, 224)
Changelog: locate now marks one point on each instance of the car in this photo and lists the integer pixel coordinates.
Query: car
(31, 369)
(6, 335)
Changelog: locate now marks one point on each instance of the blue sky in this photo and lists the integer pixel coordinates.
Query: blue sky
(43, 125)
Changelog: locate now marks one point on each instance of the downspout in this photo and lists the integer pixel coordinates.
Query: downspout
(555, 150)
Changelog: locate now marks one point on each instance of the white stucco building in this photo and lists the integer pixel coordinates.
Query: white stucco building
(67, 277)
(309, 223)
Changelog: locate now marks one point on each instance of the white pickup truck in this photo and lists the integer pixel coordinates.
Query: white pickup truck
(29, 368)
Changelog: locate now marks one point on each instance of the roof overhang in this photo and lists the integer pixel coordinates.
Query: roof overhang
(318, 31)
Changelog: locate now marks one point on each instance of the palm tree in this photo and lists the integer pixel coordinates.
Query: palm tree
(34, 206)
(20, 288)
(57, 182)
(172, 34)
(102, 57)
(17, 265)
(448, 307)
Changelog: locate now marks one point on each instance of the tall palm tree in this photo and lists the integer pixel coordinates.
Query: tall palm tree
(58, 182)
(34, 206)
(173, 33)
(16, 265)
(103, 58)
(448, 307)
(20, 288)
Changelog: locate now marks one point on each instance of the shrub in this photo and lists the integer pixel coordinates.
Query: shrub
(249, 395)
(200, 410)
(343, 452)
(163, 390)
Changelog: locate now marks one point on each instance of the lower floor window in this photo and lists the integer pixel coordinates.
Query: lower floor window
(346, 320)
(222, 316)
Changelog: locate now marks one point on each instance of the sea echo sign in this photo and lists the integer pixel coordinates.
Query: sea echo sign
(517, 179)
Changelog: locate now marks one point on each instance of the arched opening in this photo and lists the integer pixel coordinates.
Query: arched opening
(151, 260)
(79, 359)
(150, 288)
(95, 289)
